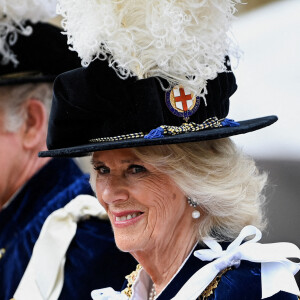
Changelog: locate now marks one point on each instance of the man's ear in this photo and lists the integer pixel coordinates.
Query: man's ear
(35, 126)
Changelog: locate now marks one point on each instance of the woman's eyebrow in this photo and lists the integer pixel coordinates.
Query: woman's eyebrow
(96, 162)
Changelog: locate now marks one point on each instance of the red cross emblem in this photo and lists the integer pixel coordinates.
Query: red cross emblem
(181, 102)
(183, 98)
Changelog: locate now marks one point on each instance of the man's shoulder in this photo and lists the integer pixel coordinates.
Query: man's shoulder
(68, 182)
(40, 198)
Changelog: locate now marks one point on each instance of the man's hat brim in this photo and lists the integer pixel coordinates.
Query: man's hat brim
(208, 134)
(27, 79)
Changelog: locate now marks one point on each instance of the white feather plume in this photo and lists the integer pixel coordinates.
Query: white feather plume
(13, 14)
(184, 42)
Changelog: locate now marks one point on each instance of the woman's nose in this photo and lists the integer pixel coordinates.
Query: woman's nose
(115, 189)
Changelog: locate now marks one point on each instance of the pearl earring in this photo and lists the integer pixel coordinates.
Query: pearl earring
(195, 213)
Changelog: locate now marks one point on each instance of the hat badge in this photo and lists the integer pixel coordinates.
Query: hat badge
(181, 102)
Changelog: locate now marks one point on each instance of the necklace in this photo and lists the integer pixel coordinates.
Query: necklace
(152, 294)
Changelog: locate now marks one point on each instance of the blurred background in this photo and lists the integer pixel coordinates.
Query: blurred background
(268, 33)
(268, 77)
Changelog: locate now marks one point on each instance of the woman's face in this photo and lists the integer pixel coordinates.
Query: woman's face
(145, 207)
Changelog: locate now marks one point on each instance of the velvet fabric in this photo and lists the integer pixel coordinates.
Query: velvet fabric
(42, 56)
(93, 102)
(242, 283)
(90, 251)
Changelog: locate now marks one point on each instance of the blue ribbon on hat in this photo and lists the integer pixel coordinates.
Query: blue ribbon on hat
(229, 123)
(155, 133)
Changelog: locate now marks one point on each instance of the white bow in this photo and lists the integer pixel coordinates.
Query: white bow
(277, 272)
(44, 275)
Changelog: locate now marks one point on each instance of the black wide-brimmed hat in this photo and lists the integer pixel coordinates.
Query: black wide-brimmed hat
(93, 110)
(41, 56)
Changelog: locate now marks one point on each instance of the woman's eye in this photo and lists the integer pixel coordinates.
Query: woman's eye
(135, 169)
(101, 169)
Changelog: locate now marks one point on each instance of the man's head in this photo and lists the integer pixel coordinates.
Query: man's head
(24, 111)
(25, 100)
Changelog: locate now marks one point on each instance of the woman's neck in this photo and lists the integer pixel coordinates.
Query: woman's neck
(163, 260)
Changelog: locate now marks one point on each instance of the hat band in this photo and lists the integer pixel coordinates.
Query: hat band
(163, 130)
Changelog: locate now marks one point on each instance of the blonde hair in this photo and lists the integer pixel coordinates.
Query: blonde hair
(225, 183)
(13, 98)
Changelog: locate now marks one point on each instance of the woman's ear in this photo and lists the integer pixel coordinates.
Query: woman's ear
(35, 125)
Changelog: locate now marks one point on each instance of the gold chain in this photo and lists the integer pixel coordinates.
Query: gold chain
(130, 281)
(213, 285)
(213, 122)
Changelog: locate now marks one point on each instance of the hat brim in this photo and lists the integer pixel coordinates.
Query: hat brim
(208, 134)
(29, 79)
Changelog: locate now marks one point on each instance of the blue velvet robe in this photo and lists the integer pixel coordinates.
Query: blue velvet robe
(90, 251)
(242, 283)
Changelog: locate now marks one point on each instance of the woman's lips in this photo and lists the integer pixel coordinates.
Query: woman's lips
(126, 218)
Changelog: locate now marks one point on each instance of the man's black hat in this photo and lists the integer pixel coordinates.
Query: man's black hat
(93, 109)
(42, 56)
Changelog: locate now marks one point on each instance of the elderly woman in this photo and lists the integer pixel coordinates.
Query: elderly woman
(152, 113)
(171, 201)
(148, 193)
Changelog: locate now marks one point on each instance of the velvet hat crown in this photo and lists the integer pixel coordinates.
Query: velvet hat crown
(41, 56)
(156, 73)
(93, 109)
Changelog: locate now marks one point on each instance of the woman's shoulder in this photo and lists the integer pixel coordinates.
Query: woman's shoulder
(243, 282)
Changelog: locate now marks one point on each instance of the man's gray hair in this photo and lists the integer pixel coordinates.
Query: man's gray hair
(13, 99)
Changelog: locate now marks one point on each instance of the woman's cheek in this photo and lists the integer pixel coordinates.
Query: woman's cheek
(160, 208)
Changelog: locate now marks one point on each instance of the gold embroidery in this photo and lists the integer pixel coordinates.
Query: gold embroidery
(213, 285)
(131, 279)
(2, 252)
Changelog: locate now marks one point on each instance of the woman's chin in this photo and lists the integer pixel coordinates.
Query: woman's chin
(129, 235)
(128, 242)
(126, 246)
